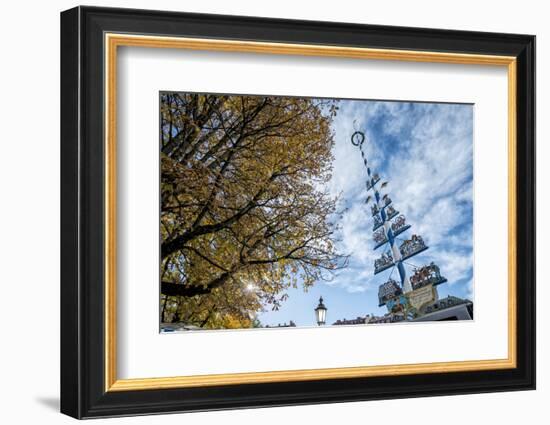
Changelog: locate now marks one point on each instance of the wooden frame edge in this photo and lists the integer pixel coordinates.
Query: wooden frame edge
(307, 375)
(512, 212)
(114, 40)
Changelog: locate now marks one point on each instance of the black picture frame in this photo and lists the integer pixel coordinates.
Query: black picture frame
(83, 392)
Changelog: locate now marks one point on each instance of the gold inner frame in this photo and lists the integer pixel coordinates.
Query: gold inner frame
(113, 41)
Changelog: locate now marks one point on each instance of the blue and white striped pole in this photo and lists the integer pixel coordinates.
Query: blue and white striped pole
(358, 139)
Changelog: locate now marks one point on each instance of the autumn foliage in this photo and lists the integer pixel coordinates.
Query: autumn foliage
(244, 210)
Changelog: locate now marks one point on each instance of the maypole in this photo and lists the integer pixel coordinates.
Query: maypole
(411, 292)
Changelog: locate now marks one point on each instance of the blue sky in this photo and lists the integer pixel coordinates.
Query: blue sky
(425, 152)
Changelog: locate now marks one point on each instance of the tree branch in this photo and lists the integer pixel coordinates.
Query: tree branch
(180, 289)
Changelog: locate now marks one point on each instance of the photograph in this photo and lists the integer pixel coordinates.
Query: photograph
(281, 212)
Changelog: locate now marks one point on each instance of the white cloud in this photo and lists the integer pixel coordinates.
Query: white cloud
(425, 151)
(349, 171)
(355, 280)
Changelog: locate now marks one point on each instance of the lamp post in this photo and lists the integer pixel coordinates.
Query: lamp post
(321, 312)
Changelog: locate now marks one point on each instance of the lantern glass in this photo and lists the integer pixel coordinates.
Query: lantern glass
(321, 312)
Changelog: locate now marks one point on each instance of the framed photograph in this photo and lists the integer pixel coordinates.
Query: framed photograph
(261, 212)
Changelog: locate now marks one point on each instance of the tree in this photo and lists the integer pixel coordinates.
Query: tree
(244, 212)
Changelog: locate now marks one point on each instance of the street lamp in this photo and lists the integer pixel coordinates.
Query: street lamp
(321, 312)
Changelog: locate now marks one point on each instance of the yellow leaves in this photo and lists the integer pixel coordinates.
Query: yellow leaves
(233, 322)
(247, 168)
